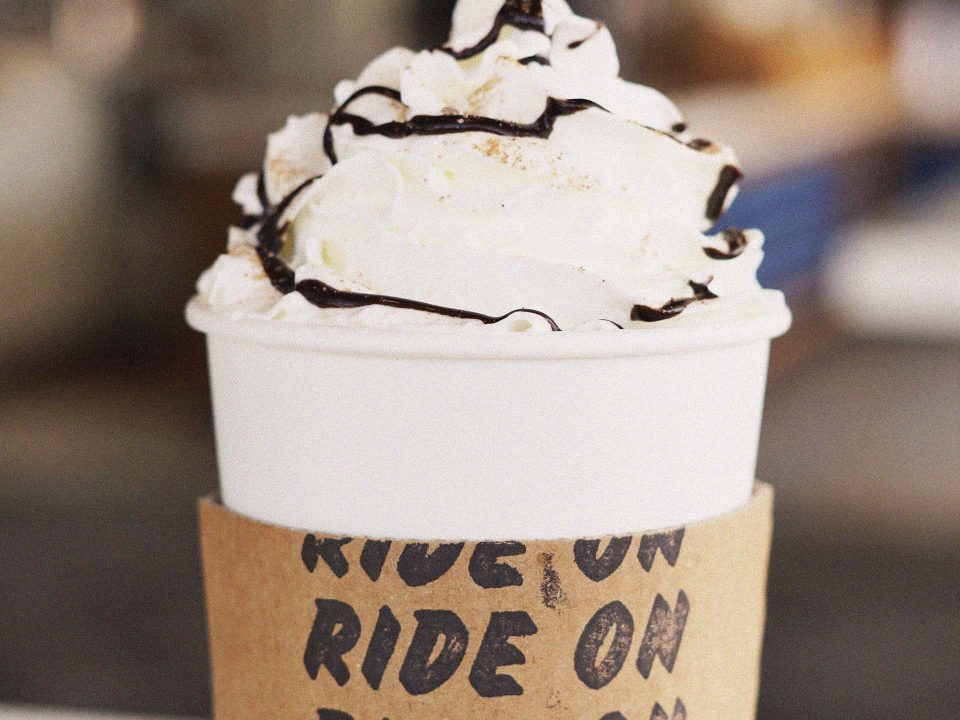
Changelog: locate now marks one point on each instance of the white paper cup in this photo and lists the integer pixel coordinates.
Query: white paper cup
(487, 436)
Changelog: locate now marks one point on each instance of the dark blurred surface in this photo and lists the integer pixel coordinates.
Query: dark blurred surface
(864, 621)
(123, 126)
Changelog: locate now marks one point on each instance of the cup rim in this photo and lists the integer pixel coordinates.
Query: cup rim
(771, 319)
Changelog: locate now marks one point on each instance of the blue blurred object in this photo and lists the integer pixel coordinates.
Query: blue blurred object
(797, 213)
(927, 166)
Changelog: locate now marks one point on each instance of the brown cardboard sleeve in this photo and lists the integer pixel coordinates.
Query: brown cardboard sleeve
(653, 626)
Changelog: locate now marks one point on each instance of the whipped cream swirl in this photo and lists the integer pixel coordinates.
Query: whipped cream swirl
(510, 179)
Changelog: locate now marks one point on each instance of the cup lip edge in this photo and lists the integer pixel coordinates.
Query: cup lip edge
(760, 492)
(772, 320)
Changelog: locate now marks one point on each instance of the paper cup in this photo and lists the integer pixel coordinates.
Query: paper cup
(487, 436)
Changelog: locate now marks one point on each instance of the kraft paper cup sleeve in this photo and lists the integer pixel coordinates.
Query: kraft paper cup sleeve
(663, 625)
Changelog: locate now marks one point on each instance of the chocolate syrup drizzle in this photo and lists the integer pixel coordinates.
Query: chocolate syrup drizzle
(736, 241)
(729, 176)
(542, 127)
(520, 14)
(325, 296)
(523, 15)
(644, 313)
(247, 222)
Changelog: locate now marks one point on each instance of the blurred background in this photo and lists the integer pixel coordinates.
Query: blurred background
(123, 126)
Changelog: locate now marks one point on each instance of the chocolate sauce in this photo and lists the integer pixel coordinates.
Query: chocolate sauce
(535, 60)
(700, 144)
(729, 176)
(325, 296)
(248, 221)
(262, 194)
(736, 241)
(424, 125)
(644, 313)
(328, 146)
(270, 241)
(520, 14)
(281, 276)
(270, 235)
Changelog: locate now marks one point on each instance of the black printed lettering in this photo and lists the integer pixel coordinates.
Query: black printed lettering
(496, 651)
(336, 630)
(668, 543)
(679, 712)
(326, 714)
(663, 634)
(417, 674)
(600, 568)
(616, 617)
(487, 572)
(330, 549)
(381, 648)
(419, 567)
(373, 556)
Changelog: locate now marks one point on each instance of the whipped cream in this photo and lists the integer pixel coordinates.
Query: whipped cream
(511, 169)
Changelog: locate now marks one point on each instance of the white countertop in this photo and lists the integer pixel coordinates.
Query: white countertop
(24, 713)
